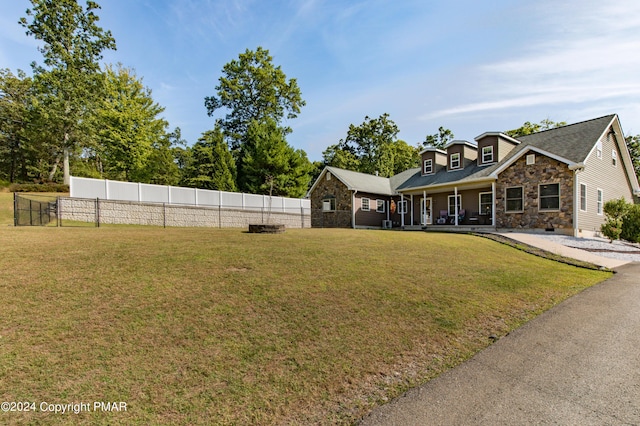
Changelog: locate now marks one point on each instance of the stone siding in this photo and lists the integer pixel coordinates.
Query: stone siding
(134, 213)
(342, 216)
(545, 170)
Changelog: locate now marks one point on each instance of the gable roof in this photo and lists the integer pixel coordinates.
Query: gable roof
(569, 144)
(573, 142)
(356, 181)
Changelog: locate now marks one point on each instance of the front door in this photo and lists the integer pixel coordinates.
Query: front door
(426, 217)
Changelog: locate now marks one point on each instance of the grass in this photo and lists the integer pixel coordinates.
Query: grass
(210, 326)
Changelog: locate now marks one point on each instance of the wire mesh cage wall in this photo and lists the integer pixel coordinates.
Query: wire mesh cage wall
(35, 210)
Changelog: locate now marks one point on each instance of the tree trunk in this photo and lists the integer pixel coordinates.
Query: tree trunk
(65, 167)
(65, 160)
(54, 169)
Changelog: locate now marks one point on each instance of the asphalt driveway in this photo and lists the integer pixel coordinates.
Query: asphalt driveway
(576, 364)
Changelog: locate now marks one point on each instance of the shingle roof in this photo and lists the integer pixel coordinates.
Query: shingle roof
(363, 182)
(573, 142)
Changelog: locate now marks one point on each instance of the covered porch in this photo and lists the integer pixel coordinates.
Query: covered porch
(449, 207)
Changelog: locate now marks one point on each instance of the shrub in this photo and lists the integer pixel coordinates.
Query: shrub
(38, 187)
(615, 211)
(631, 224)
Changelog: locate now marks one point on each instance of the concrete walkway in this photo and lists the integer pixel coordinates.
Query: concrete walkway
(576, 364)
(565, 251)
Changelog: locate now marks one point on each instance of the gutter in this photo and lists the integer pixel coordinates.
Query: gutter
(576, 166)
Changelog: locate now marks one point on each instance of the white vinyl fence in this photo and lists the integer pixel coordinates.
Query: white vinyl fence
(146, 193)
(107, 201)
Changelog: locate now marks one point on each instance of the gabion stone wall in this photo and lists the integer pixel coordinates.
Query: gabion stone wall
(133, 213)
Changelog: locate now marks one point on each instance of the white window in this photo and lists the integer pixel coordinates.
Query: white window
(455, 161)
(599, 204)
(486, 201)
(365, 204)
(452, 205)
(599, 149)
(329, 204)
(614, 158)
(487, 154)
(402, 207)
(531, 159)
(583, 197)
(328, 175)
(514, 199)
(380, 206)
(549, 196)
(428, 166)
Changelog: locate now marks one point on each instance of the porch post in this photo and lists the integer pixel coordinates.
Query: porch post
(455, 203)
(411, 209)
(402, 210)
(424, 208)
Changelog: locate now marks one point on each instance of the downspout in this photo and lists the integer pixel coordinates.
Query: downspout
(493, 207)
(577, 168)
(575, 204)
(353, 208)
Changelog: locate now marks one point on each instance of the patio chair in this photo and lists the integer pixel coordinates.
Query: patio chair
(461, 214)
(442, 219)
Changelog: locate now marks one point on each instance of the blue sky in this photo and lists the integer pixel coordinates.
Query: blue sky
(466, 65)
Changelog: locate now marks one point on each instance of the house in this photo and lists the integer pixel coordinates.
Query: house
(555, 180)
(344, 199)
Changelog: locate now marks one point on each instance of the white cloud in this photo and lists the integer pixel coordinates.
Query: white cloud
(590, 59)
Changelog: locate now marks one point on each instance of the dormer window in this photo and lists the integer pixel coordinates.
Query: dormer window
(454, 162)
(428, 167)
(487, 154)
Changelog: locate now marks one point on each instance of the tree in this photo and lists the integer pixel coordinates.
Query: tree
(129, 128)
(372, 147)
(163, 166)
(528, 128)
(404, 156)
(70, 80)
(633, 143)
(15, 105)
(440, 139)
(270, 165)
(615, 212)
(253, 89)
(340, 157)
(211, 164)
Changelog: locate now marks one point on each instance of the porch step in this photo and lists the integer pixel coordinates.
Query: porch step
(459, 228)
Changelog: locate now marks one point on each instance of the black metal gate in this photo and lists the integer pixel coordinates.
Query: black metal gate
(35, 210)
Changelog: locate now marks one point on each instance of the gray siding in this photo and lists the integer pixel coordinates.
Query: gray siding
(601, 173)
(504, 148)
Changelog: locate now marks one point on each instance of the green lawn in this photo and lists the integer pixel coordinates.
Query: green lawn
(210, 326)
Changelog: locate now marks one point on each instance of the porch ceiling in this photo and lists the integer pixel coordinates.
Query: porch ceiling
(448, 188)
